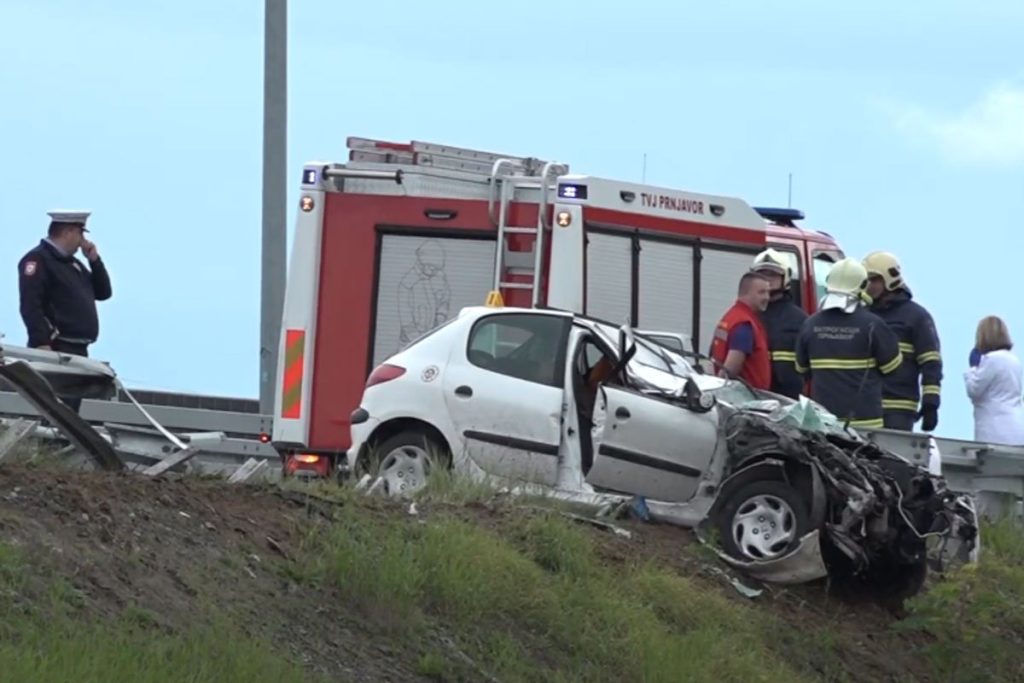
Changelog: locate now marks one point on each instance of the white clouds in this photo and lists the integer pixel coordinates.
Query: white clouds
(989, 131)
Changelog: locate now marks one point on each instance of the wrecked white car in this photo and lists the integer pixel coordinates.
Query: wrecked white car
(550, 401)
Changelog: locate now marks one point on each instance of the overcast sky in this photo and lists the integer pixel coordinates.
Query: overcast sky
(902, 123)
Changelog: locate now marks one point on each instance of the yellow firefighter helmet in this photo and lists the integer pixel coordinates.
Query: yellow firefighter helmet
(774, 262)
(886, 266)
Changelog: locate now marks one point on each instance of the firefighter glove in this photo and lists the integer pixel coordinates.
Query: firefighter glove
(929, 417)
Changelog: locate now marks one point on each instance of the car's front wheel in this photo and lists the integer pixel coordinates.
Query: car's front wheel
(762, 520)
(404, 462)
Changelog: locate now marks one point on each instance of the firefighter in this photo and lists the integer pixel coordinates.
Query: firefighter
(59, 293)
(782, 321)
(913, 391)
(846, 350)
(740, 345)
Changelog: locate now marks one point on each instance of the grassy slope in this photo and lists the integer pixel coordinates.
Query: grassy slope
(484, 591)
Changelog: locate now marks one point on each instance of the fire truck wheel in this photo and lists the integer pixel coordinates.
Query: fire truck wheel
(404, 462)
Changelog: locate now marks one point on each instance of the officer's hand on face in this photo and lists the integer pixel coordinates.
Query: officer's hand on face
(89, 249)
(929, 418)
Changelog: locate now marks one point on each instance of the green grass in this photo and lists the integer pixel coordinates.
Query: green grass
(538, 605)
(101, 652)
(47, 635)
(976, 615)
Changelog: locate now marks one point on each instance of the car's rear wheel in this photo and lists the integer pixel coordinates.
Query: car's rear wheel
(405, 461)
(762, 520)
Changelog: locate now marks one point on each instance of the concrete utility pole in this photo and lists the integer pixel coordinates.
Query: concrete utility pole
(275, 246)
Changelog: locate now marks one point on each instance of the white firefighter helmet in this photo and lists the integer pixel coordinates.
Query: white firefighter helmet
(886, 266)
(844, 285)
(772, 261)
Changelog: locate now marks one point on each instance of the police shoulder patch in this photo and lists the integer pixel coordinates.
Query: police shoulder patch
(30, 268)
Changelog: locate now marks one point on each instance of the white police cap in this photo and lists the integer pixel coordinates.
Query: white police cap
(65, 216)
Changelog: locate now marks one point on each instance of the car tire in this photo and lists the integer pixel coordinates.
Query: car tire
(762, 520)
(404, 461)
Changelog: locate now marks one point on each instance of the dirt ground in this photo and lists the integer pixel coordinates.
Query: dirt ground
(188, 549)
(192, 549)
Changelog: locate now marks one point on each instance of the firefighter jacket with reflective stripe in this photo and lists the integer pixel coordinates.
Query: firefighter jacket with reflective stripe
(847, 355)
(919, 378)
(782, 322)
(757, 368)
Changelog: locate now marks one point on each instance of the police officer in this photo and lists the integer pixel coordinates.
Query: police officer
(782, 321)
(59, 292)
(913, 391)
(846, 350)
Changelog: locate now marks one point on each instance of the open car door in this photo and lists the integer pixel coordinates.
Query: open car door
(651, 447)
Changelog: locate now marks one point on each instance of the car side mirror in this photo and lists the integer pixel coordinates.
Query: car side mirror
(697, 400)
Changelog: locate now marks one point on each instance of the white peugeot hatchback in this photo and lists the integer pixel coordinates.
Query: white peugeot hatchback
(548, 400)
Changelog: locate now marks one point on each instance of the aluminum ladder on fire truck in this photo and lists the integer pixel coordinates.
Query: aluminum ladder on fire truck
(507, 176)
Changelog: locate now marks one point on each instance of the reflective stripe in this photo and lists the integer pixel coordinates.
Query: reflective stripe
(931, 389)
(842, 363)
(868, 424)
(907, 347)
(784, 356)
(799, 368)
(899, 404)
(294, 365)
(929, 356)
(892, 365)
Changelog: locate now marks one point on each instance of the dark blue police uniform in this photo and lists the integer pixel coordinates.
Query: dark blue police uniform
(58, 298)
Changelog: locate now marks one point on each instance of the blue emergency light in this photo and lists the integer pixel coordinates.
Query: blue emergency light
(780, 216)
(572, 191)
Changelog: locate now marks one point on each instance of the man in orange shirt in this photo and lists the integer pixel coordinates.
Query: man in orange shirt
(740, 346)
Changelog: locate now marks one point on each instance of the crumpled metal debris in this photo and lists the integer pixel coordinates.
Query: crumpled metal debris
(880, 507)
(741, 588)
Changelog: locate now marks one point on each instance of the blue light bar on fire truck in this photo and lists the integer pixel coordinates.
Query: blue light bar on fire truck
(780, 216)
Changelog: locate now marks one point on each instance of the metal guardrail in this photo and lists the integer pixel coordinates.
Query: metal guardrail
(242, 425)
(242, 430)
(993, 473)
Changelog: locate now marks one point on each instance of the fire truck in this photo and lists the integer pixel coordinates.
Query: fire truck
(399, 238)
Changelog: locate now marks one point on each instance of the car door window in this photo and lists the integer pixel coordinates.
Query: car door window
(522, 345)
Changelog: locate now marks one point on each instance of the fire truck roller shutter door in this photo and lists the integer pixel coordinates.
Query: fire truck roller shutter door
(609, 277)
(666, 286)
(424, 281)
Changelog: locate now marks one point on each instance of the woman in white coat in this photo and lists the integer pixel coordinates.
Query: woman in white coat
(994, 384)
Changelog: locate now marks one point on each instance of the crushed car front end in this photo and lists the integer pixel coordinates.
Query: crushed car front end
(800, 496)
(882, 520)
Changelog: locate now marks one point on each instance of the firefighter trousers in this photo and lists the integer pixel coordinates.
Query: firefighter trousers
(903, 420)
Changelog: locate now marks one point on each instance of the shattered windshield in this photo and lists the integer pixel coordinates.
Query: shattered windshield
(649, 353)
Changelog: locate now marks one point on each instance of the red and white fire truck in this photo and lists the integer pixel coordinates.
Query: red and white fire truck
(402, 236)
